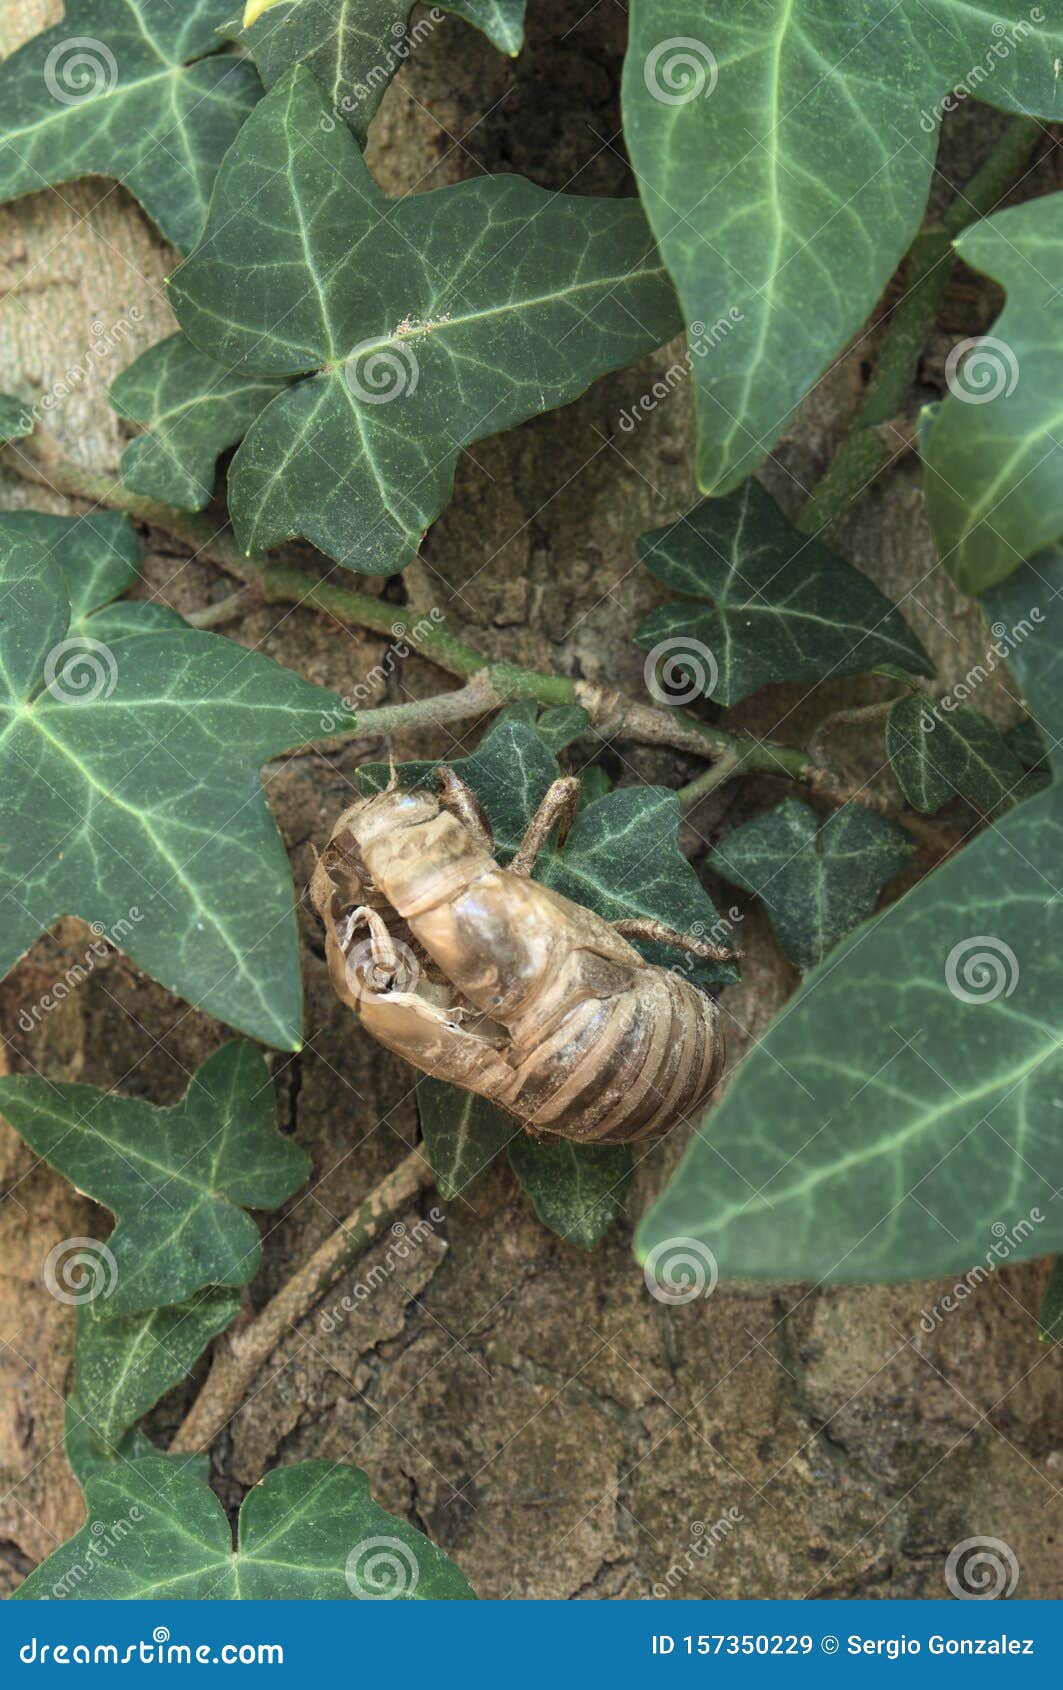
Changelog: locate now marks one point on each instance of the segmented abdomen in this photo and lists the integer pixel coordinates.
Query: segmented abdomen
(624, 1067)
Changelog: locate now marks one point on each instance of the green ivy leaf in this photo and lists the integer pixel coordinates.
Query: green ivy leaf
(87, 1454)
(193, 410)
(818, 880)
(420, 324)
(577, 1190)
(130, 750)
(902, 1117)
(310, 1532)
(786, 608)
(133, 89)
(125, 1363)
(784, 153)
(178, 1179)
(502, 21)
(1024, 742)
(994, 466)
(15, 419)
(562, 725)
(463, 1133)
(939, 754)
(354, 47)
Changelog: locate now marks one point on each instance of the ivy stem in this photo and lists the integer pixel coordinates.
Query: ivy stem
(722, 770)
(872, 444)
(224, 610)
(282, 578)
(239, 1357)
(857, 715)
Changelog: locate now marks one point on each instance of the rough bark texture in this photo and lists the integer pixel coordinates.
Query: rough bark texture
(529, 1407)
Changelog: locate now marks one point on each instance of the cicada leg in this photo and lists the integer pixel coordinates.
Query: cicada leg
(558, 809)
(460, 799)
(410, 1014)
(384, 954)
(655, 932)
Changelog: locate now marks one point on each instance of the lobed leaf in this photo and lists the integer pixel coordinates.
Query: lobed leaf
(310, 1532)
(902, 1117)
(418, 325)
(817, 880)
(994, 466)
(785, 607)
(178, 1179)
(462, 1132)
(130, 751)
(354, 47)
(502, 21)
(133, 89)
(939, 754)
(127, 1362)
(577, 1190)
(783, 151)
(87, 1454)
(193, 410)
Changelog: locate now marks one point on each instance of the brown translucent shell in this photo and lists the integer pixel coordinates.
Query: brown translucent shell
(482, 977)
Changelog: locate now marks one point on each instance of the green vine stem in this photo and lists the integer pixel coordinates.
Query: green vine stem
(873, 444)
(282, 579)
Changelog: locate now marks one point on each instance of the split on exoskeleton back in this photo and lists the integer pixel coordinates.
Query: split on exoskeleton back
(483, 977)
